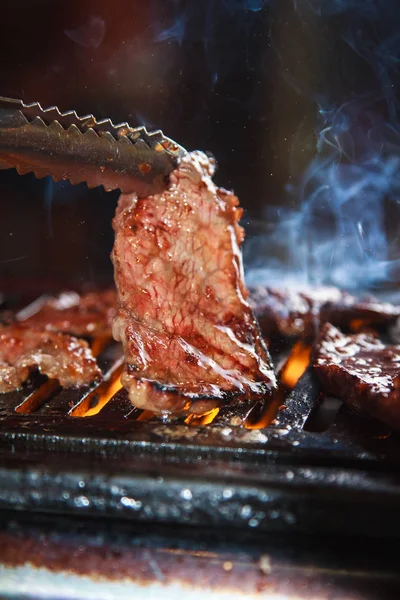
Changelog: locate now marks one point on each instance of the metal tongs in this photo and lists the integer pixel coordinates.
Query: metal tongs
(82, 149)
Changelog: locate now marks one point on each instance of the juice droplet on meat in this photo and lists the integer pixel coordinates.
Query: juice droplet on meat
(144, 168)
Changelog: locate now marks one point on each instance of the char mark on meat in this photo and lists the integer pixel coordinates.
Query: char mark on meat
(59, 356)
(186, 327)
(360, 370)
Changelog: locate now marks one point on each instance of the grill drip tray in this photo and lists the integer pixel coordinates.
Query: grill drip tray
(116, 464)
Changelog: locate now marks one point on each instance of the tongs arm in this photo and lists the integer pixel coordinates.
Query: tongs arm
(82, 149)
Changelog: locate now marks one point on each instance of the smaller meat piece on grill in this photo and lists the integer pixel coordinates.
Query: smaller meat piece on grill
(59, 356)
(87, 315)
(353, 314)
(360, 370)
(294, 312)
(290, 312)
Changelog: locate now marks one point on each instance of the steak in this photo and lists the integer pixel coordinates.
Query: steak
(87, 315)
(59, 356)
(353, 313)
(187, 330)
(294, 312)
(290, 312)
(360, 370)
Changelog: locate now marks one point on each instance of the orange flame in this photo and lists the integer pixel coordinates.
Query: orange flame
(268, 413)
(99, 343)
(296, 364)
(204, 419)
(362, 326)
(106, 390)
(104, 393)
(293, 369)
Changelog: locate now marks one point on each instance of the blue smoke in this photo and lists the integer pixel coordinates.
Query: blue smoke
(176, 31)
(339, 233)
(344, 195)
(346, 229)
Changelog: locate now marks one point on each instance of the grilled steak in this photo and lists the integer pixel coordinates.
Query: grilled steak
(183, 319)
(88, 315)
(291, 312)
(59, 356)
(352, 313)
(360, 370)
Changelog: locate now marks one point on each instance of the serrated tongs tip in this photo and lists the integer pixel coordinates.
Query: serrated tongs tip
(82, 149)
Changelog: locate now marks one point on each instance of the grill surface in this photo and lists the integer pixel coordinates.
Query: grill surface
(116, 464)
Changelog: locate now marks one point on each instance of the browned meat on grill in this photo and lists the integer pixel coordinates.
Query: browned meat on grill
(300, 311)
(352, 313)
(290, 312)
(87, 315)
(360, 370)
(59, 356)
(184, 321)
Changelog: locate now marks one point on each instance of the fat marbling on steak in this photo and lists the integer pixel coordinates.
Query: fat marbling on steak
(59, 356)
(360, 370)
(186, 327)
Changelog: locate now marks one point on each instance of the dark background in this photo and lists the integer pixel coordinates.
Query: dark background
(239, 78)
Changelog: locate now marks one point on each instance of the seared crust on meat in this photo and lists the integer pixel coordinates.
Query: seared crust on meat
(360, 370)
(56, 355)
(186, 327)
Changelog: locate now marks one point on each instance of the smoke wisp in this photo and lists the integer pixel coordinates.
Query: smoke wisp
(345, 227)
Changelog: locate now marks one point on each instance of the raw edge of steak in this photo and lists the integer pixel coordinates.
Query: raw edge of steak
(360, 370)
(187, 330)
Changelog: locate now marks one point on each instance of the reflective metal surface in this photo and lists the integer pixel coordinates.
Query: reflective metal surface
(83, 149)
(57, 557)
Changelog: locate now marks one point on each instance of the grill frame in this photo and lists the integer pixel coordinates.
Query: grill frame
(87, 559)
(279, 479)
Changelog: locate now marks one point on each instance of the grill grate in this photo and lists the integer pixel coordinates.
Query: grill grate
(125, 463)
